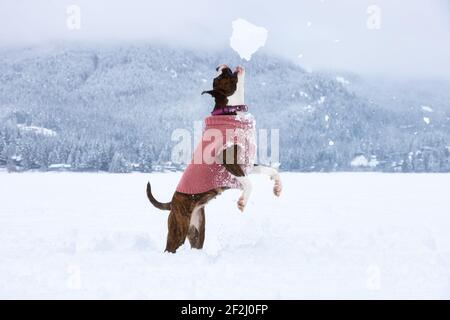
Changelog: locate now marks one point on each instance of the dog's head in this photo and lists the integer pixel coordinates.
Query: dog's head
(228, 86)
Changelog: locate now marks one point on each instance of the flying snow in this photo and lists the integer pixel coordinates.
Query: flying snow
(247, 38)
(426, 108)
(321, 100)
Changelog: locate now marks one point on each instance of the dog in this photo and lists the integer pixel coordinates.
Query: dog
(187, 207)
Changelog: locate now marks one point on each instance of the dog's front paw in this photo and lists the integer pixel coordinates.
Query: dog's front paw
(241, 204)
(277, 188)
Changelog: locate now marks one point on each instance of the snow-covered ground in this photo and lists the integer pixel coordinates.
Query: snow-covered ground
(338, 235)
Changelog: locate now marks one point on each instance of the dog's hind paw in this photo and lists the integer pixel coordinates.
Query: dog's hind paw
(277, 188)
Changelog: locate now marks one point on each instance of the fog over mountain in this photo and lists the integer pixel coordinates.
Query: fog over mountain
(412, 39)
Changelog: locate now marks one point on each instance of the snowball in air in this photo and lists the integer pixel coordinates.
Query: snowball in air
(247, 38)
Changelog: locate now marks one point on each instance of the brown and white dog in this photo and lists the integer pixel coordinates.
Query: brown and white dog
(187, 211)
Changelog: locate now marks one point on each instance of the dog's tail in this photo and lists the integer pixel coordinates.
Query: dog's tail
(156, 203)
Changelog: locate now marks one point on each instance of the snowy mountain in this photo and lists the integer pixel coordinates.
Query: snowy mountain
(114, 109)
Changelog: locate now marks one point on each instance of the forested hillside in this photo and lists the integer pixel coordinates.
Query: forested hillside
(114, 109)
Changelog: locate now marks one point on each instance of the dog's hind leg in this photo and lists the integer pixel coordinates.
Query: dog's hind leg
(196, 233)
(178, 225)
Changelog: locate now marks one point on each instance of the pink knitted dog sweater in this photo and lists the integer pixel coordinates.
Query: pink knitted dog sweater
(205, 171)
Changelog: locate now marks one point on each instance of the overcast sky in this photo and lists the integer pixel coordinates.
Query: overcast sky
(414, 38)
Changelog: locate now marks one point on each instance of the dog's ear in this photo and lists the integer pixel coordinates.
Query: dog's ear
(219, 97)
(211, 92)
(215, 93)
